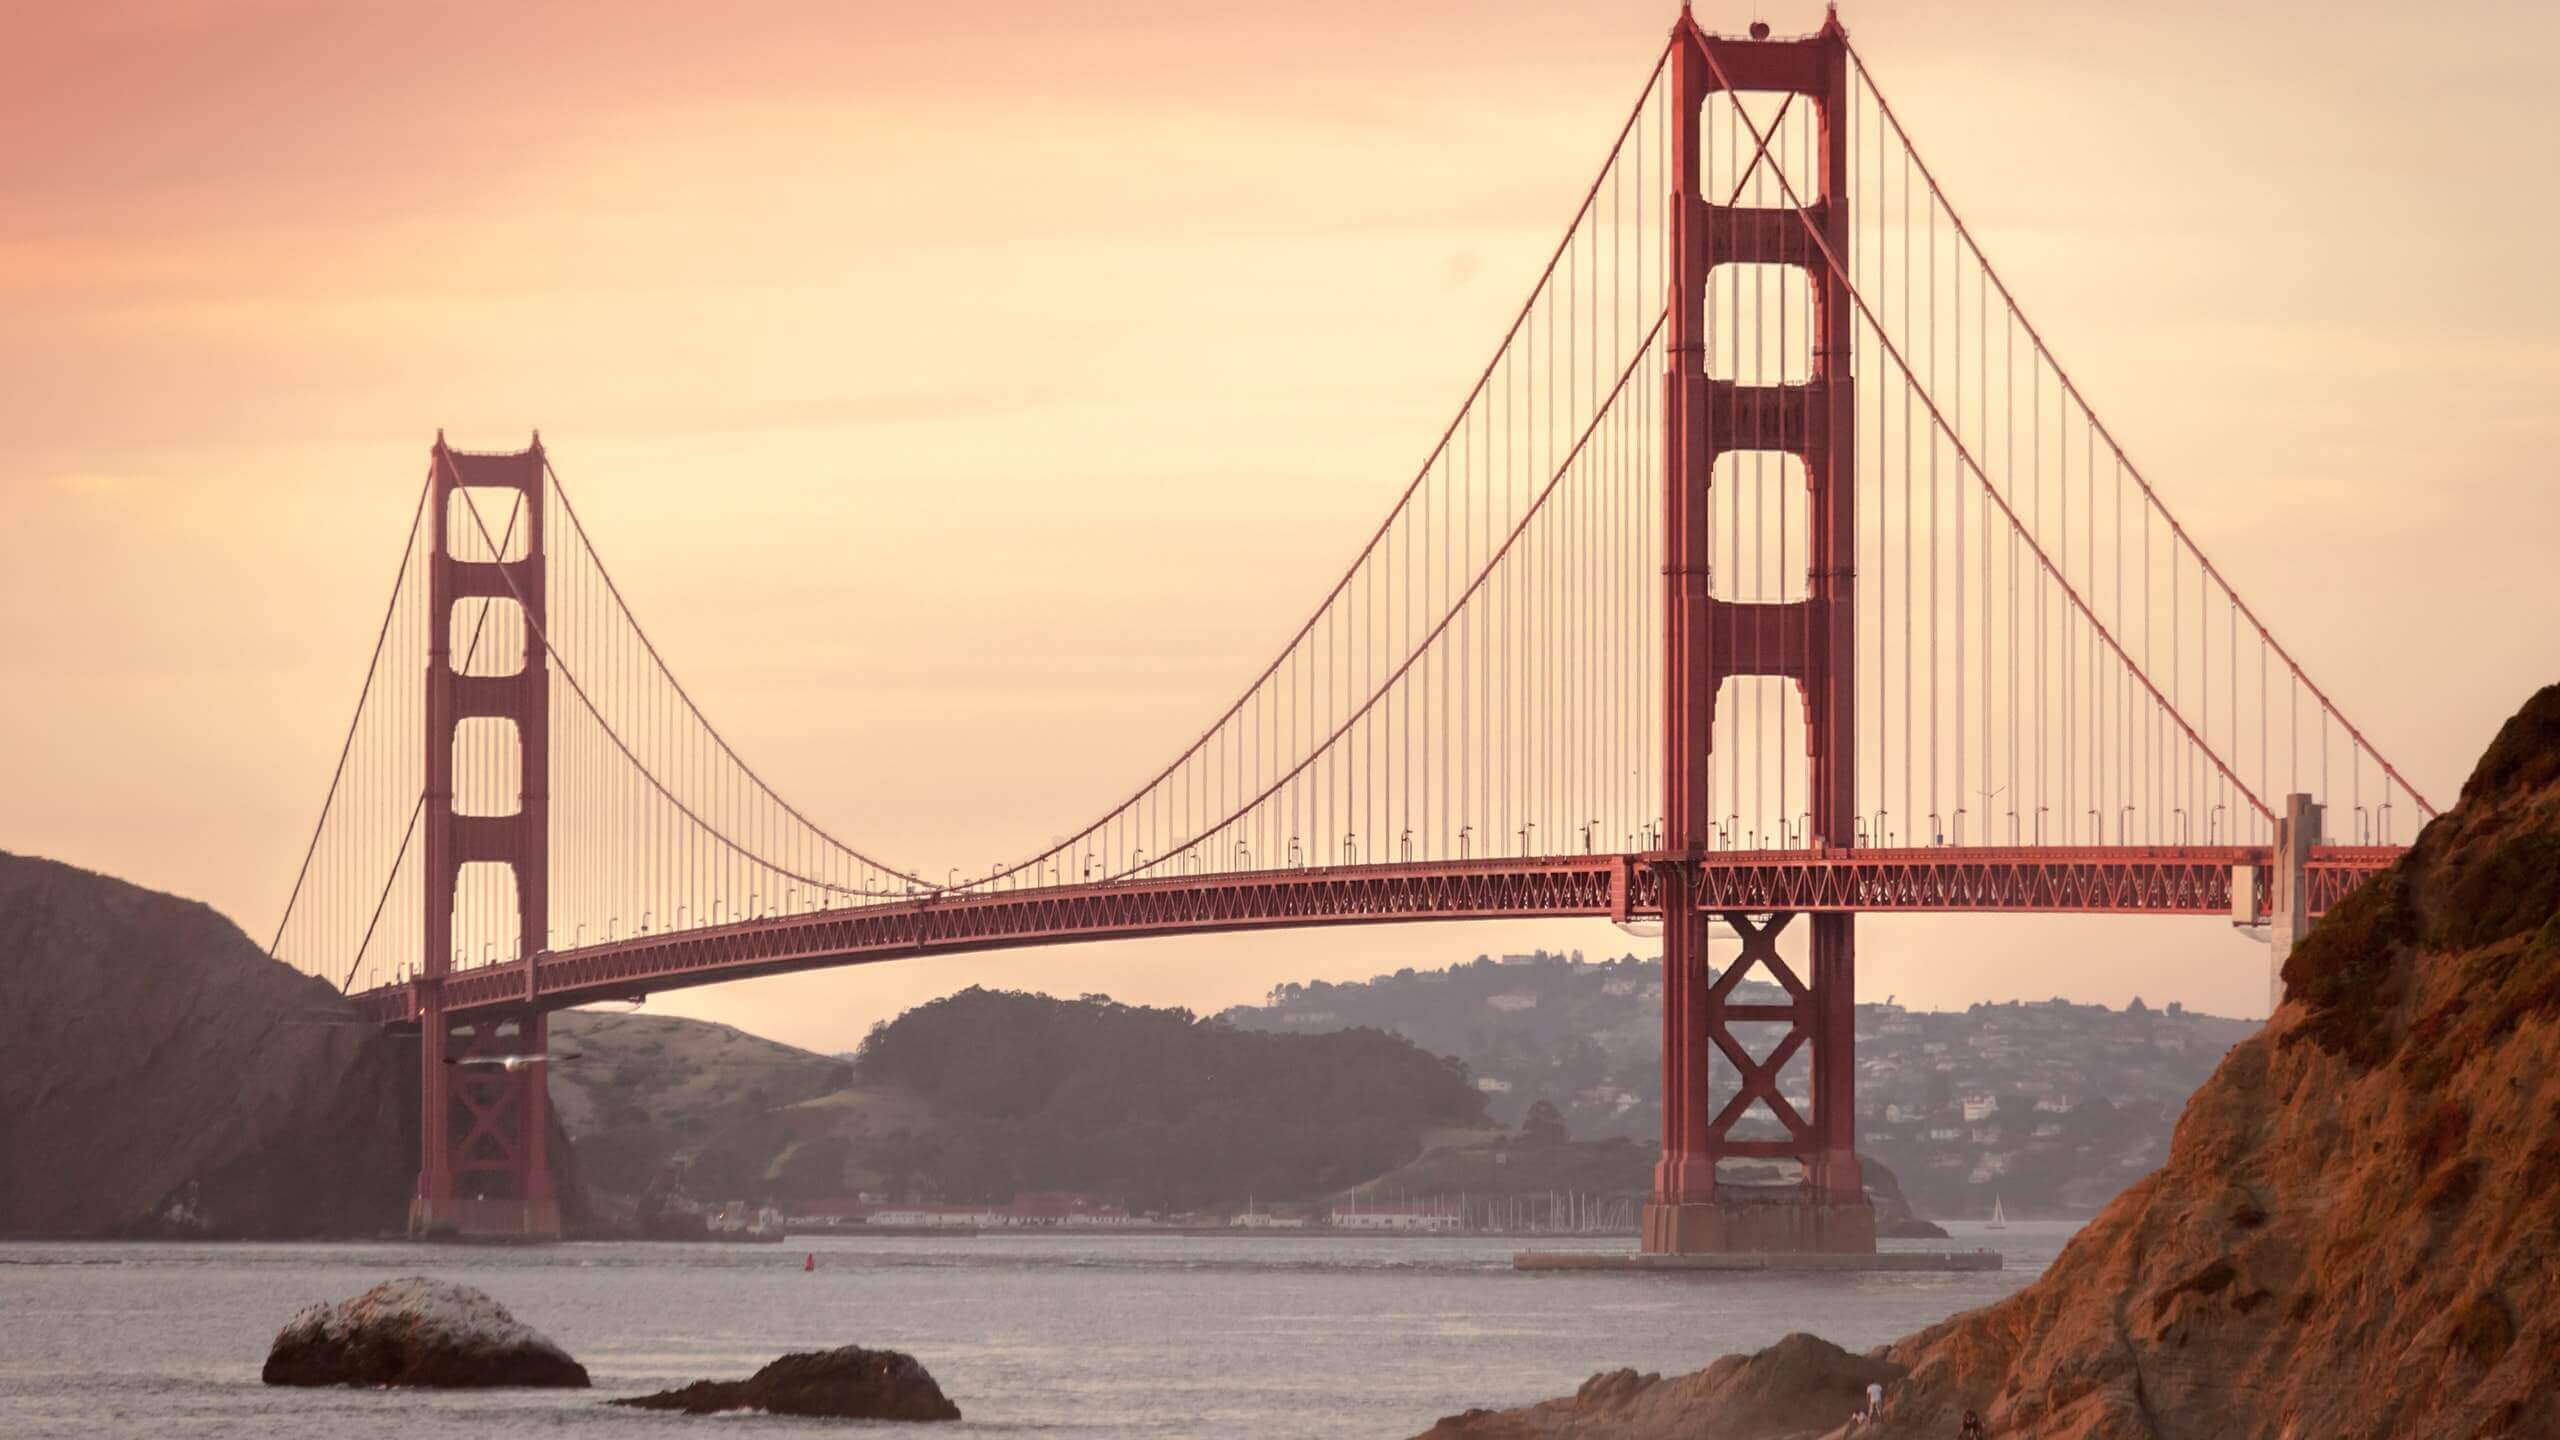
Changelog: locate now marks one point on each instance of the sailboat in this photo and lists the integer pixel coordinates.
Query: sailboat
(1999, 1217)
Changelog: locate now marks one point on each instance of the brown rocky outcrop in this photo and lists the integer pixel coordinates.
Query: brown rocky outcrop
(163, 1075)
(2356, 1235)
(850, 1383)
(421, 1332)
(1799, 1387)
(1895, 1219)
(160, 1075)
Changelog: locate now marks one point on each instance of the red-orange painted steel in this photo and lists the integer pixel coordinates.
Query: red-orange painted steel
(2192, 881)
(1811, 642)
(1688, 659)
(520, 694)
(1707, 640)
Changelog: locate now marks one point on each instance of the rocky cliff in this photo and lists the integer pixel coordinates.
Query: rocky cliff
(2357, 1233)
(160, 1075)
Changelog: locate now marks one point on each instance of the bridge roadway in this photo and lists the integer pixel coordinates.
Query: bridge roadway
(2194, 880)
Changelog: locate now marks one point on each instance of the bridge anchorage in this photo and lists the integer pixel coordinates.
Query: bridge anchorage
(1861, 609)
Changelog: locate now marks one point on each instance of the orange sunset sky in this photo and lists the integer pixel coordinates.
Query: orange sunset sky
(971, 397)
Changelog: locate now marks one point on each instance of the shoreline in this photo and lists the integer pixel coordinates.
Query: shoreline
(921, 1232)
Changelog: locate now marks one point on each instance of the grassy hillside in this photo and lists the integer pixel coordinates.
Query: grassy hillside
(651, 1092)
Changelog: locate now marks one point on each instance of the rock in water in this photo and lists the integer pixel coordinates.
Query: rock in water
(1800, 1386)
(847, 1384)
(2357, 1234)
(417, 1331)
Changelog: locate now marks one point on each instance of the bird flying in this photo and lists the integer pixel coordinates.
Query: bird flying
(509, 1063)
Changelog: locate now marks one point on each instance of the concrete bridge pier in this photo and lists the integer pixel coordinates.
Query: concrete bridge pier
(2289, 889)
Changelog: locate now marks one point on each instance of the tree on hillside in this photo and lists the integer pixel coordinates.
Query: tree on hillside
(904, 1161)
(1545, 1125)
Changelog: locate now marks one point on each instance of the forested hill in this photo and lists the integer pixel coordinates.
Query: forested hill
(1167, 1110)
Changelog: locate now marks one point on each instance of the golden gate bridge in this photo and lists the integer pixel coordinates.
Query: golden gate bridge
(1772, 571)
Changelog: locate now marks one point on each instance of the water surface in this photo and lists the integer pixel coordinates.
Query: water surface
(1066, 1336)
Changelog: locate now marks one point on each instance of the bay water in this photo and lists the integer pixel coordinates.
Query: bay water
(1064, 1335)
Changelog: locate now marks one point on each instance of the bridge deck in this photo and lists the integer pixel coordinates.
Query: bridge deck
(2118, 880)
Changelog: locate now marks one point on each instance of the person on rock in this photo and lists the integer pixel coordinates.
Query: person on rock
(1875, 1404)
(1972, 1427)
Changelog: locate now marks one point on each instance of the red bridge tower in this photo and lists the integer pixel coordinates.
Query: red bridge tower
(483, 1166)
(1709, 639)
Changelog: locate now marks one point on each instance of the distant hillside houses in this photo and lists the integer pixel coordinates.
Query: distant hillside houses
(1044, 1210)
(1394, 1217)
(1265, 1220)
(1993, 1099)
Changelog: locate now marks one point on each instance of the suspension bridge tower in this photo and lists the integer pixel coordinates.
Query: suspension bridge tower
(1710, 639)
(483, 1161)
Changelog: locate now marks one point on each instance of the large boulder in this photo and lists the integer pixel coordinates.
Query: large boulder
(417, 1331)
(847, 1384)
